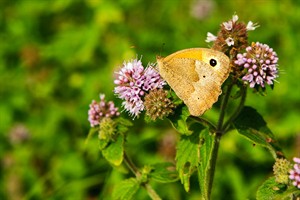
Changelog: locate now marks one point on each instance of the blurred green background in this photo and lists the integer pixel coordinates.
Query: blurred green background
(58, 55)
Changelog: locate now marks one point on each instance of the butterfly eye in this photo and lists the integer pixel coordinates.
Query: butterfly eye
(213, 62)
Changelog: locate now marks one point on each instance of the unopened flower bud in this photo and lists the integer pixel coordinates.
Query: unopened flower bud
(281, 170)
(158, 105)
(107, 128)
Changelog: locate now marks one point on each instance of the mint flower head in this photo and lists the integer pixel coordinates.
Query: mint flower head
(295, 173)
(133, 82)
(100, 110)
(232, 37)
(158, 105)
(260, 64)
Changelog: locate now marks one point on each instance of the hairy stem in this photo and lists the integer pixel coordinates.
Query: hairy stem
(223, 109)
(131, 166)
(151, 192)
(137, 173)
(217, 139)
(226, 126)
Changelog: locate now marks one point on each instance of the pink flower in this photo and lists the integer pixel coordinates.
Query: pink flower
(260, 64)
(295, 173)
(100, 110)
(133, 82)
(228, 25)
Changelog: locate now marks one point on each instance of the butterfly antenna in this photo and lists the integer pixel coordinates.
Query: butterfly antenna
(162, 48)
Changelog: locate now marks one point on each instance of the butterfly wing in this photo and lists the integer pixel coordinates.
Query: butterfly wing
(180, 74)
(193, 79)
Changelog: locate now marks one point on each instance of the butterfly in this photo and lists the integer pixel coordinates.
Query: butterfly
(196, 76)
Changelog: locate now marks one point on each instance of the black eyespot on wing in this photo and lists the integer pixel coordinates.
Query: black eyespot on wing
(212, 62)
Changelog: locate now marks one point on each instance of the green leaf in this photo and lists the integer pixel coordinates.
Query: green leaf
(103, 143)
(114, 151)
(271, 190)
(180, 120)
(126, 189)
(251, 125)
(187, 157)
(123, 121)
(164, 173)
(92, 131)
(204, 168)
(175, 99)
(122, 125)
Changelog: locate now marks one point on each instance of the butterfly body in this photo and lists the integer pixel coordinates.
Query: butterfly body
(196, 75)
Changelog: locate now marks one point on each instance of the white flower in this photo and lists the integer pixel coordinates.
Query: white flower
(235, 18)
(251, 26)
(229, 41)
(228, 25)
(210, 37)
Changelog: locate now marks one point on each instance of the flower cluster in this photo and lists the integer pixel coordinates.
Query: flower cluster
(100, 110)
(133, 82)
(260, 64)
(158, 105)
(295, 173)
(232, 36)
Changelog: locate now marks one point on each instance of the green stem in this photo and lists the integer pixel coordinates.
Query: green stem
(217, 139)
(226, 126)
(205, 122)
(212, 164)
(138, 175)
(151, 192)
(223, 109)
(131, 166)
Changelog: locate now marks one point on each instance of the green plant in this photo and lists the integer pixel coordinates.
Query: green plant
(142, 89)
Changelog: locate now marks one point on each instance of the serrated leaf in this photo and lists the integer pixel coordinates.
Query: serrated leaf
(206, 149)
(251, 125)
(187, 157)
(114, 151)
(164, 173)
(126, 189)
(267, 190)
(180, 120)
(271, 190)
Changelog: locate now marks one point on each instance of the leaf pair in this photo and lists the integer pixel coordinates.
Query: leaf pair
(162, 172)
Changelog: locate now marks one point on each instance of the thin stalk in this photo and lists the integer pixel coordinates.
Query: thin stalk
(215, 148)
(131, 166)
(223, 109)
(137, 173)
(205, 122)
(237, 111)
(152, 192)
(213, 161)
